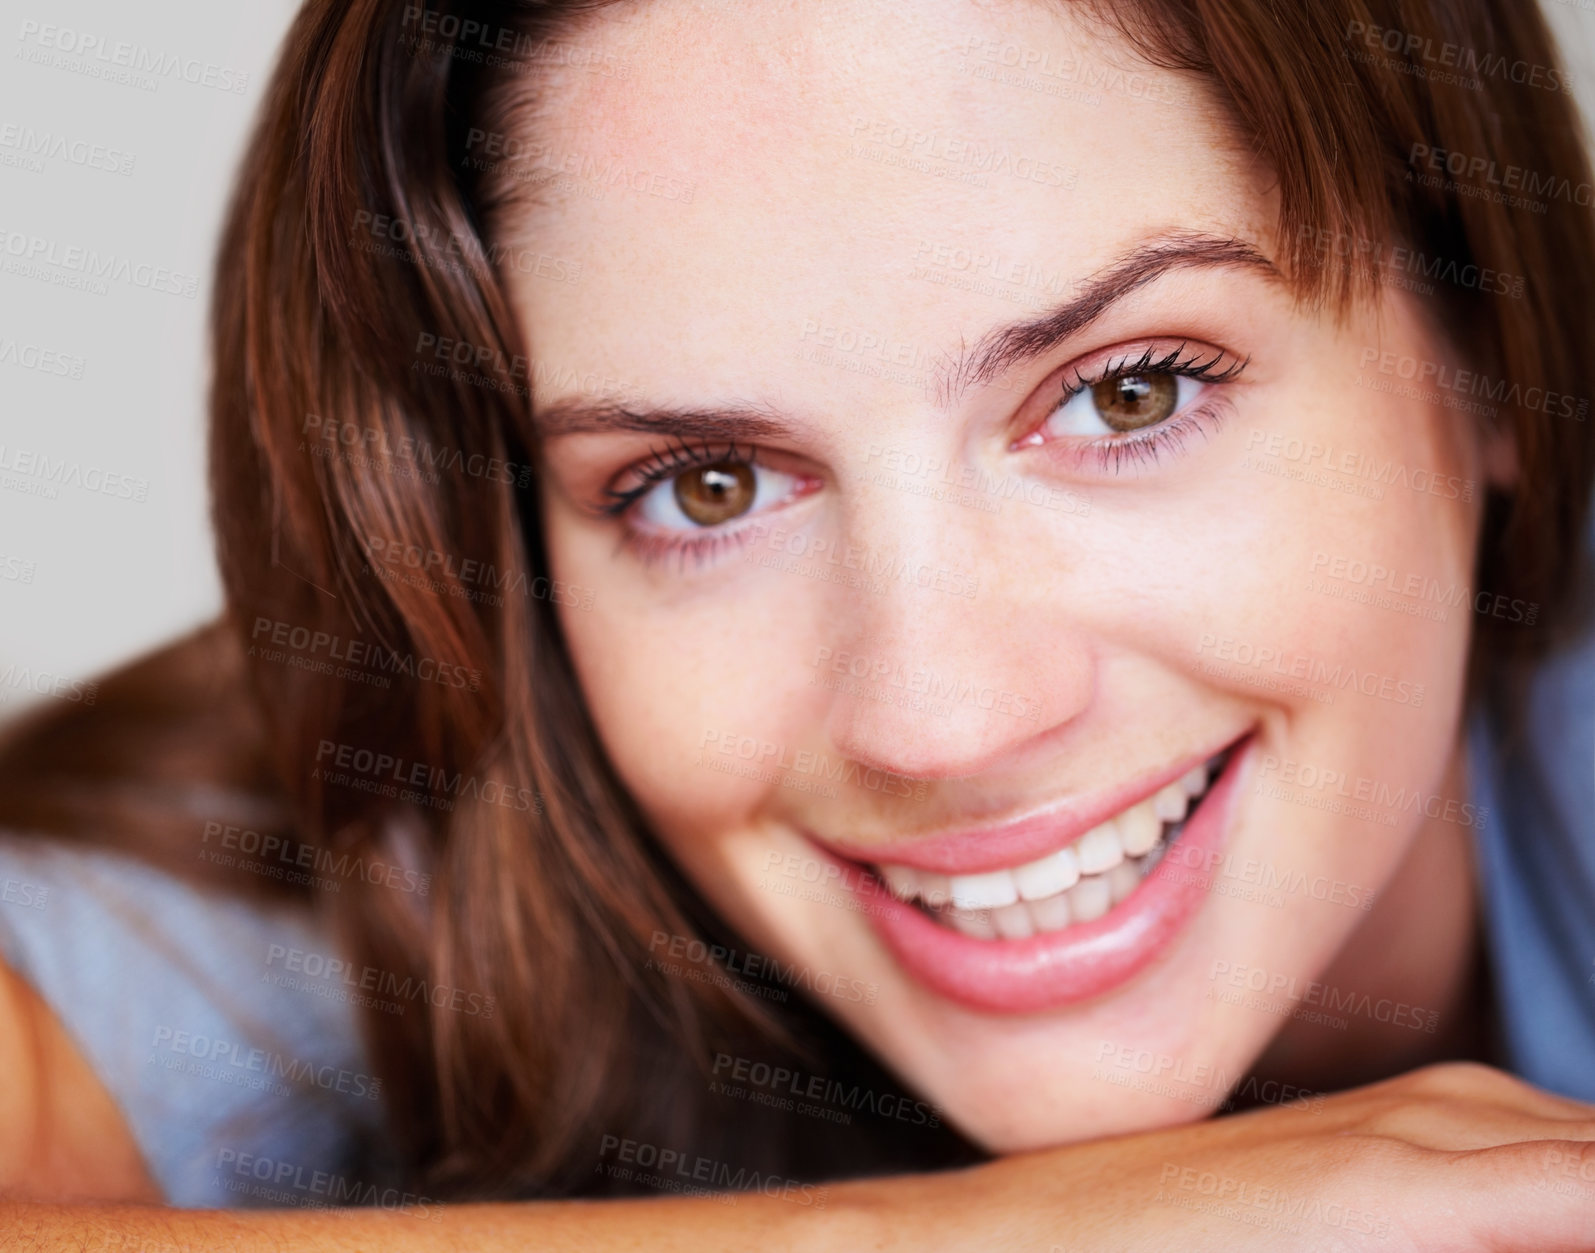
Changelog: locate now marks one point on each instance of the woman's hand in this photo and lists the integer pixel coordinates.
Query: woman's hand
(1454, 1157)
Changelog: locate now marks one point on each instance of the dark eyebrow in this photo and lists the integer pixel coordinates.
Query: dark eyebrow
(1023, 341)
(996, 351)
(574, 416)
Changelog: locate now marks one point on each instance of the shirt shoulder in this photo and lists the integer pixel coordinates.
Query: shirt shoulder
(243, 1082)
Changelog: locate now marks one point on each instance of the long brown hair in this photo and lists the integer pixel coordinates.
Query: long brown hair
(360, 225)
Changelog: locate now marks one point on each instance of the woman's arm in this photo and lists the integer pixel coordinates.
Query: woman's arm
(1457, 1157)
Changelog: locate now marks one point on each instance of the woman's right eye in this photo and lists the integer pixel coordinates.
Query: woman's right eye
(708, 495)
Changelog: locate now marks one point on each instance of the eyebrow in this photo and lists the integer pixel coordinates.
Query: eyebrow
(996, 352)
(1002, 349)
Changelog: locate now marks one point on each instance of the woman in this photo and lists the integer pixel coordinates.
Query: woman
(981, 526)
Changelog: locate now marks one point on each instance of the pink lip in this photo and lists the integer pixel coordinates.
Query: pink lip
(1081, 961)
(1022, 840)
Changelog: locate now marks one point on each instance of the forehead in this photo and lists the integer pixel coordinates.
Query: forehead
(741, 182)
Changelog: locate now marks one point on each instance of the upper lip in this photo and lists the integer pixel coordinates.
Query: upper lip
(1021, 839)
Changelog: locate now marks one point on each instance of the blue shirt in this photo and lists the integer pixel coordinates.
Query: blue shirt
(1536, 870)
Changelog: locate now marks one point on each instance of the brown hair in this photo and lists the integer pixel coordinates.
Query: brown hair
(550, 907)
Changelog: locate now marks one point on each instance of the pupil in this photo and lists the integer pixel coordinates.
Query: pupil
(718, 482)
(1132, 391)
(1135, 400)
(713, 494)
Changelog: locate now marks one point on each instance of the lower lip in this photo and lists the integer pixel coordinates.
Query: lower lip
(1083, 960)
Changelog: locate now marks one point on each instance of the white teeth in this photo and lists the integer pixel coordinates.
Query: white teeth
(1013, 922)
(903, 881)
(1089, 899)
(1171, 803)
(1071, 885)
(1047, 876)
(1100, 849)
(1139, 829)
(984, 891)
(933, 889)
(1051, 914)
(1122, 880)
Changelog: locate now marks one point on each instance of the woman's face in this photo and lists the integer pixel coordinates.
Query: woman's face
(954, 476)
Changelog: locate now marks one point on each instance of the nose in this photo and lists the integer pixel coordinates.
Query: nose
(956, 654)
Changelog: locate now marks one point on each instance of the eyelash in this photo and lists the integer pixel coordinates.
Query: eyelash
(660, 466)
(1110, 453)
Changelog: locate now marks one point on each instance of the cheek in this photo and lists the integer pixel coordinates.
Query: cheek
(1368, 568)
(1349, 620)
(695, 681)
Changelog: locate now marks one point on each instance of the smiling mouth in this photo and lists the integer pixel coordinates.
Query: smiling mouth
(1072, 885)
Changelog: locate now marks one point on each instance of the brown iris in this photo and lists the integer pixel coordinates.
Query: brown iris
(715, 493)
(1132, 401)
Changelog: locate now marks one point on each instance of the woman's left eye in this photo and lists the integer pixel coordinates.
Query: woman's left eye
(1122, 404)
(708, 495)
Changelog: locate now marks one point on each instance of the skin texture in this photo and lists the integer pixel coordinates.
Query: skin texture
(1127, 615)
(1099, 613)
(65, 1136)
